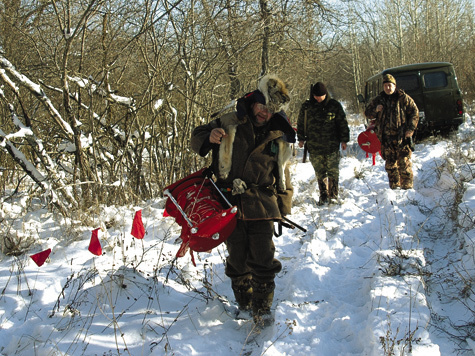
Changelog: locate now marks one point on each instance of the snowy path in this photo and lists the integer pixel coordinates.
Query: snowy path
(364, 264)
(322, 294)
(335, 281)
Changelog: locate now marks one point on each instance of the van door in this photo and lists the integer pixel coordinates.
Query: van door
(411, 83)
(440, 108)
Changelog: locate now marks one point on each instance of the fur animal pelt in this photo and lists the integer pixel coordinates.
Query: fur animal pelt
(275, 91)
(277, 97)
(229, 123)
(283, 159)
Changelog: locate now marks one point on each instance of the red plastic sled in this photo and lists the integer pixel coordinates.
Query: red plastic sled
(194, 203)
(368, 141)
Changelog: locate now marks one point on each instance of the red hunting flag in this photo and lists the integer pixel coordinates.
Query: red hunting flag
(138, 230)
(41, 257)
(94, 245)
(369, 143)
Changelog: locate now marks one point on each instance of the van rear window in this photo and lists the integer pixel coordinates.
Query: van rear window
(407, 82)
(435, 80)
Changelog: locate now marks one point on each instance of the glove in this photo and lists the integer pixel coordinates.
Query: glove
(408, 141)
(239, 186)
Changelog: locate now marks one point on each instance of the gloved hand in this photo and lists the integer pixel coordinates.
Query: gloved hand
(371, 125)
(239, 186)
(408, 141)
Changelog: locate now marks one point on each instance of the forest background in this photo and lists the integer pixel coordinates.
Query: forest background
(98, 98)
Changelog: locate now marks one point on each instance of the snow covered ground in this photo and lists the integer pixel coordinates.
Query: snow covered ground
(383, 273)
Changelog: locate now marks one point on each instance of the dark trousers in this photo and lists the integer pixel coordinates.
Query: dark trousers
(251, 252)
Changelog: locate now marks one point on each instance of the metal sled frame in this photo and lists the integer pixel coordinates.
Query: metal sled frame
(193, 228)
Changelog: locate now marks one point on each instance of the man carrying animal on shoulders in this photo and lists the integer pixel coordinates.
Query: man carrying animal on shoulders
(250, 151)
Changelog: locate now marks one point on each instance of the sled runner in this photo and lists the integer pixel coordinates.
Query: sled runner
(195, 204)
(368, 141)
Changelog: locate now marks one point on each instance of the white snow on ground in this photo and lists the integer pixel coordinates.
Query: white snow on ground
(383, 273)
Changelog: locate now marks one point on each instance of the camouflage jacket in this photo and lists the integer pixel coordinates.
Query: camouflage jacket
(399, 115)
(326, 126)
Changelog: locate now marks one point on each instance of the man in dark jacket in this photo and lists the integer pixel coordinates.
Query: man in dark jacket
(250, 159)
(322, 126)
(395, 116)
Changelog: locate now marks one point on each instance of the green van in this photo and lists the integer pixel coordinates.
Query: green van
(434, 88)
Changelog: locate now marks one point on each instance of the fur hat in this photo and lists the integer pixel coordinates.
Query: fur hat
(275, 92)
(388, 78)
(319, 89)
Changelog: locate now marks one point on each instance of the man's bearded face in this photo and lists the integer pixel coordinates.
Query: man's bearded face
(261, 113)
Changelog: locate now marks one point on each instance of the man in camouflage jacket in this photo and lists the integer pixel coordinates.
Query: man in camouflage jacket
(251, 150)
(322, 126)
(395, 116)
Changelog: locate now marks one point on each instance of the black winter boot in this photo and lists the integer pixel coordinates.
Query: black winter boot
(262, 297)
(242, 289)
(322, 187)
(333, 189)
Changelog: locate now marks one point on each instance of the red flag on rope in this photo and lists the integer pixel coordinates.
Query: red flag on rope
(138, 230)
(41, 257)
(94, 245)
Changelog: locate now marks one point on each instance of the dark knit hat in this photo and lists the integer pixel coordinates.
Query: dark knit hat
(388, 78)
(319, 89)
(244, 104)
(256, 97)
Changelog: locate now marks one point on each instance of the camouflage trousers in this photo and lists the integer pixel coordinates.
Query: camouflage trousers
(327, 171)
(326, 166)
(398, 165)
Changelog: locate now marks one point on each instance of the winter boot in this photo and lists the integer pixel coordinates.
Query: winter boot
(322, 186)
(333, 189)
(407, 181)
(242, 289)
(394, 185)
(262, 297)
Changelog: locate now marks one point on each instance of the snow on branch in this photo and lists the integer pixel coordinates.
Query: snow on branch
(8, 68)
(83, 83)
(20, 158)
(45, 183)
(94, 88)
(75, 97)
